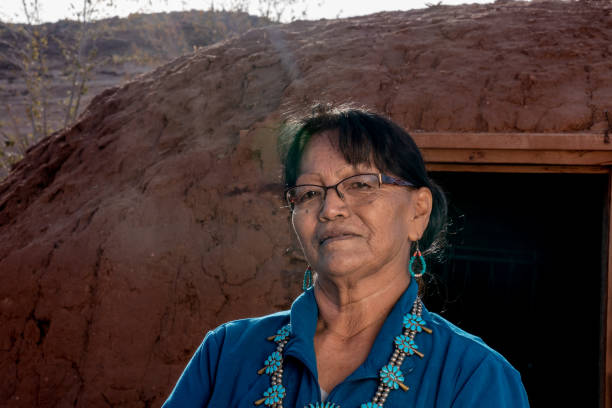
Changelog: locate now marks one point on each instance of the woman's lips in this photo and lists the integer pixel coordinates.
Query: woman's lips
(336, 238)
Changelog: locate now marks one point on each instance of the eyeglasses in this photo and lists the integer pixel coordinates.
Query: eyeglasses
(352, 190)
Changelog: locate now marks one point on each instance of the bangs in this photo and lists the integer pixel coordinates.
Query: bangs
(363, 142)
(376, 141)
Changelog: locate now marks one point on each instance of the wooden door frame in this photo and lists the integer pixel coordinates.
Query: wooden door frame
(589, 153)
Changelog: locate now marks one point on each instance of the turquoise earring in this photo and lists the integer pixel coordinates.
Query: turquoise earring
(307, 283)
(417, 255)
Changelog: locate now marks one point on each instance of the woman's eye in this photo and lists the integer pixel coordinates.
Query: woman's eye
(308, 195)
(359, 185)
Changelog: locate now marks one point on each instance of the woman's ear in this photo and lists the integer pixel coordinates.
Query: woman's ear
(420, 210)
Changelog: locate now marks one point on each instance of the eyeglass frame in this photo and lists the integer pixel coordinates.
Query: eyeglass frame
(382, 179)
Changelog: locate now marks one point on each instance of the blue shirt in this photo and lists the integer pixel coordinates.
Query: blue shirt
(458, 369)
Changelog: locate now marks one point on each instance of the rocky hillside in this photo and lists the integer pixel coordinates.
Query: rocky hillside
(153, 37)
(124, 238)
(120, 49)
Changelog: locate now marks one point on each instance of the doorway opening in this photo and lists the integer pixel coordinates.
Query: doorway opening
(524, 270)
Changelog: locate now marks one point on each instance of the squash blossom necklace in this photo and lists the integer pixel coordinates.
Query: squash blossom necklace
(390, 375)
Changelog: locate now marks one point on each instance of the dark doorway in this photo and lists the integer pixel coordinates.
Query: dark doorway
(524, 272)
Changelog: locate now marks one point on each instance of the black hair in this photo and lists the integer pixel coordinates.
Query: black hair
(366, 137)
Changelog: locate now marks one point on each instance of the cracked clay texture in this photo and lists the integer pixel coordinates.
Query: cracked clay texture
(157, 216)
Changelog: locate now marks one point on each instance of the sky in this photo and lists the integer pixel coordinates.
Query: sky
(53, 10)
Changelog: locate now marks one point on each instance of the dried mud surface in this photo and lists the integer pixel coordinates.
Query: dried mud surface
(157, 216)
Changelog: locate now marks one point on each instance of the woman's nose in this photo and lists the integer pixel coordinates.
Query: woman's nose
(333, 205)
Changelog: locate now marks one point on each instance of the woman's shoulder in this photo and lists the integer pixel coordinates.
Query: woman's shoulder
(466, 346)
(475, 374)
(245, 330)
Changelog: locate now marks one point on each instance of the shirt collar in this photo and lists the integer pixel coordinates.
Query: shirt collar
(303, 318)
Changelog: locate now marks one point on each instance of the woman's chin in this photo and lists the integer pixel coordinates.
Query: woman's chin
(341, 258)
(339, 266)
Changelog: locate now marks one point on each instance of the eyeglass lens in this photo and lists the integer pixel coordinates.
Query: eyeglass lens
(351, 190)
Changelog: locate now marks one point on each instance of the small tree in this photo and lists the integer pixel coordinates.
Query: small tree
(26, 50)
(25, 47)
(79, 61)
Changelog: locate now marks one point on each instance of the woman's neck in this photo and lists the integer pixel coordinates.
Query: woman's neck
(360, 308)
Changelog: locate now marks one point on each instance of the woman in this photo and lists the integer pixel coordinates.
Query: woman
(362, 206)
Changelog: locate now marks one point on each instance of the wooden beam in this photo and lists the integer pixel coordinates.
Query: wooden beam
(547, 157)
(513, 141)
(511, 168)
(607, 326)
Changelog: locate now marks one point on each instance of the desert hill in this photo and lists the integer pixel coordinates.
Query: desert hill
(118, 49)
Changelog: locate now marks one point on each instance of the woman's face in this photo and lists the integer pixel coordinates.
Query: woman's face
(362, 238)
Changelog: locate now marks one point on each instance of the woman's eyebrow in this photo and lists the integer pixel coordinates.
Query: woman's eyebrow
(342, 172)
